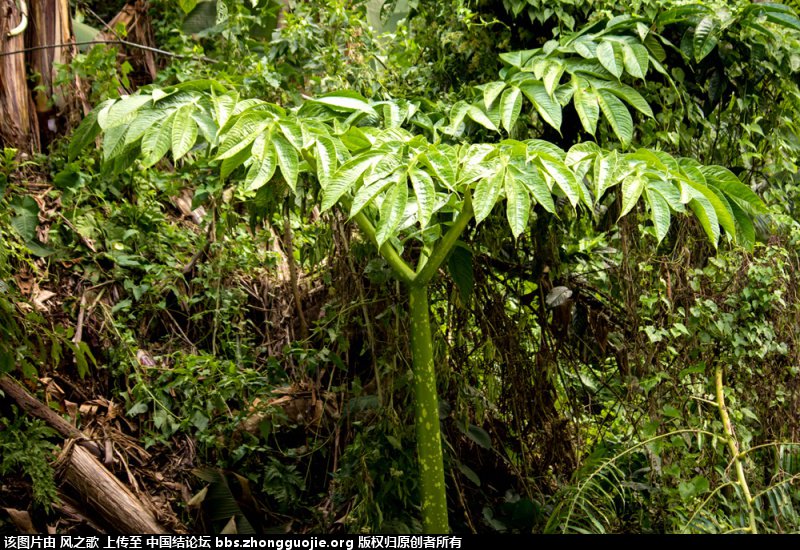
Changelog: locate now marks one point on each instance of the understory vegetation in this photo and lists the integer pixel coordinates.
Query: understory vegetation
(353, 266)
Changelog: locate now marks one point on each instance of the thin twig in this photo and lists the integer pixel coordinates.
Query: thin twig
(120, 42)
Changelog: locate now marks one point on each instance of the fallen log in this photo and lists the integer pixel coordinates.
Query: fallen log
(106, 494)
(80, 470)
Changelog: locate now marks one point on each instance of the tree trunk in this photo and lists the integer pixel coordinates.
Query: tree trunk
(50, 25)
(17, 119)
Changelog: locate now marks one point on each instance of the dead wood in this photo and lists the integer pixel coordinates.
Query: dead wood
(85, 474)
(17, 120)
(106, 494)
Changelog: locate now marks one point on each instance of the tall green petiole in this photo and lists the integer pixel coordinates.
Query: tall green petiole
(426, 396)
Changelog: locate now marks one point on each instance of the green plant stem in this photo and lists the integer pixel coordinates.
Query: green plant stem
(734, 448)
(429, 437)
(399, 266)
(426, 397)
(427, 270)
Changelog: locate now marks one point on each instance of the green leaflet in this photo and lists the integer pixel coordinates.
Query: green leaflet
(707, 216)
(223, 107)
(288, 160)
(518, 204)
(659, 213)
(547, 107)
(586, 48)
(491, 91)
(705, 37)
(346, 101)
(655, 49)
(346, 177)
(636, 59)
(727, 182)
(669, 192)
(114, 142)
(487, 192)
(519, 58)
(83, 135)
(118, 113)
(208, 128)
(367, 192)
(626, 93)
(724, 211)
(531, 178)
(745, 229)
(383, 168)
(243, 132)
(326, 160)
(356, 139)
(232, 163)
(264, 163)
(510, 107)
(605, 173)
(457, 114)
(425, 192)
(293, 133)
(392, 210)
(442, 162)
(564, 178)
(156, 142)
(392, 116)
(617, 114)
(586, 105)
(184, 132)
(632, 187)
(476, 114)
(610, 57)
(552, 77)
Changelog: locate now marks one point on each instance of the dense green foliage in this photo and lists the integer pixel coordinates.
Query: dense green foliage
(571, 194)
